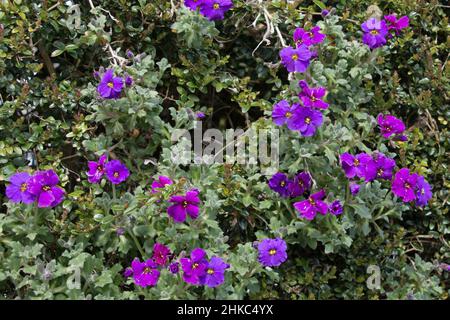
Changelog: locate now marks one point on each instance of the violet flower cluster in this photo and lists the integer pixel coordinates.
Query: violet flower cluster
(391, 126)
(115, 171)
(41, 188)
(315, 203)
(376, 31)
(211, 9)
(292, 188)
(411, 187)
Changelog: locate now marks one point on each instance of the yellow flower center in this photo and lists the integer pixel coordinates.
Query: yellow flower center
(272, 252)
(195, 266)
(210, 271)
(307, 120)
(283, 183)
(216, 6)
(184, 204)
(295, 57)
(407, 185)
(356, 162)
(313, 99)
(380, 172)
(46, 188)
(110, 84)
(288, 114)
(23, 187)
(311, 200)
(374, 32)
(147, 270)
(116, 174)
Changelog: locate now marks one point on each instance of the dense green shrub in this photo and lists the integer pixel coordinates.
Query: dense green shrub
(181, 63)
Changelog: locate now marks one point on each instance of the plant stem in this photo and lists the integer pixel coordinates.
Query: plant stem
(136, 242)
(114, 191)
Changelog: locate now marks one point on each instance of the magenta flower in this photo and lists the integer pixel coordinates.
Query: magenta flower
(375, 32)
(300, 184)
(215, 273)
(308, 38)
(160, 183)
(336, 208)
(423, 191)
(279, 183)
(183, 205)
(44, 186)
(308, 208)
(215, 9)
(307, 121)
(354, 188)
(116, 171)
(194, 267)
(296, 60)
(193, 4)
(96, 170)
(18, 190)
(390, 125)
(395, 24)
(161, 254)
(283, 113)
(384, 166)
(145, 273)
(110, 86)
(312, 97)
(174, 267)
(362, 165)
(272, 252)
(405, 184)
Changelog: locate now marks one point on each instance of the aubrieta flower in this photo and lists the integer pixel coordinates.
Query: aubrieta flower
(308, 120)
(96, 169)
(116, 171)
(200, 115)
(324, 12)
(272, 252)
(128, 81)
(375, 32)
(161, 254)
(296, 60)
(390, 125)
(215, 9)
(384, 166)
(110, 86)
(18, 190)
(336, 208)
(308, 38)
(145, 273)
(215, 272)
(423, 191)
(193, 4)
(308, 208)
(279, 183)
(160, 183)
(44, 186)
(395, 24)
(300, 184)
(312, 97)
(194, 267)
(405, 184)
(354, 188)
(362, 165)
(283, 113)
(174, 267)
(183, 205)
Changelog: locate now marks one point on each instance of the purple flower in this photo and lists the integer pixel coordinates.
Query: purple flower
(300, 184)
(396, 24)
(128, 272)
(116, 171)
(160, 183)
(423, 191)
(324, 12)
(120, 231)
(303, 85)
(44, 186)
(384, 166)
(18, 190)
(361, 165)
(128, 81)
(296, 60)
(272, 252)
(193, 4)
(145, 273)
(283, 113)
(215, 9)
(390, 125)
(96, 170)
(336, 208)
(110, 86)
(161, 254)
(405, 184)
(279, 183)
(312, 97)
(215, 272)
(183, 205)
(199, 115)
(308, 208)
(194, 267)
(375, 32)
(307, 121)
(308, 38)
(354, 188)
(129, 53)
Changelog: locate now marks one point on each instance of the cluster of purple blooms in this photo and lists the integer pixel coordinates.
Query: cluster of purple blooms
(376, 31)
(111, 86)
(211, 9)
(309, 208)
(42, 188)
(115, 171)
(391, 126)
(411, 187)
(305, 117)
(298, 59)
